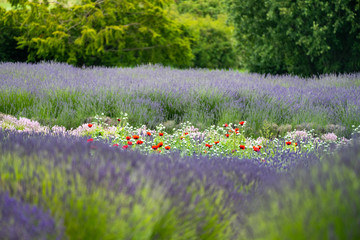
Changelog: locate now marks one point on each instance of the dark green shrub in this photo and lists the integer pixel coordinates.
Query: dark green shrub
(8, 45)
(300, 37)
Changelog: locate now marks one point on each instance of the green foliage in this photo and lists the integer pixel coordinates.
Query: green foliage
(94, 33)
(9, 30)
(299, 37)
(202, 8)
(213, 45)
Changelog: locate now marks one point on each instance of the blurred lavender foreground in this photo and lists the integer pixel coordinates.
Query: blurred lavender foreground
(59, 94)
(23, 221)
(103, 192)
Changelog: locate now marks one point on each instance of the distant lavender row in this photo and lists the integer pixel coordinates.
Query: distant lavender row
(64, 95)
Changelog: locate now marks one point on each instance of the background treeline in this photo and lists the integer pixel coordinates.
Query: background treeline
(303, 37)
(119, 33)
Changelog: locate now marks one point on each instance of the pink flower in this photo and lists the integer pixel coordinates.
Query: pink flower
(90, 140)
(125, 146)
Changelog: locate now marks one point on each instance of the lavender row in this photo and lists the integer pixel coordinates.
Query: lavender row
(58, 94)
(102, 192)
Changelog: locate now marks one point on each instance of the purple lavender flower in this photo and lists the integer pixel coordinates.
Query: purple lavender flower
(21, 221)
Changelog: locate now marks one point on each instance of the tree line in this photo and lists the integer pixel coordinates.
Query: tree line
(302, 37)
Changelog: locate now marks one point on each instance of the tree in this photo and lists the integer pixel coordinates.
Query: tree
(303, 37)
(103, 32)
(8, 45)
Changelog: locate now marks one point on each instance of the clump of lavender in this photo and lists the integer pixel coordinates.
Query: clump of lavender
(21, 221)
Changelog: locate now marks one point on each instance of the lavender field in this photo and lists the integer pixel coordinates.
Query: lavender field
(154, 153)
(59, 94)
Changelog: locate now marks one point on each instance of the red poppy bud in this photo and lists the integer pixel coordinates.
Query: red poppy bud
(186, 133)
(90, 125)
(296, 144)
(119, 119)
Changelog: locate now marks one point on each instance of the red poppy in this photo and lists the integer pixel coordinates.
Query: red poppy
(263, 160)
(186, 133)
(241, 123)
(125, 146)
(128, 138)
(129, 143)
(256, 149)
(89, 125)
(115, 145)
(119, 119)
(233, 150)
(167, 147)
(136, 137)
(242, 147)
(208, 145)
(225, 125)
(139, 142)
(259, 146)
(230, 131)
(90, 140)
(159, 151)
(288, 143)
(216, 142)
(236, 129)
(154, 147)
(161, 134)
(296, 144)
(160, 144)
(148, 133)
(181, 137)
(227, 135)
